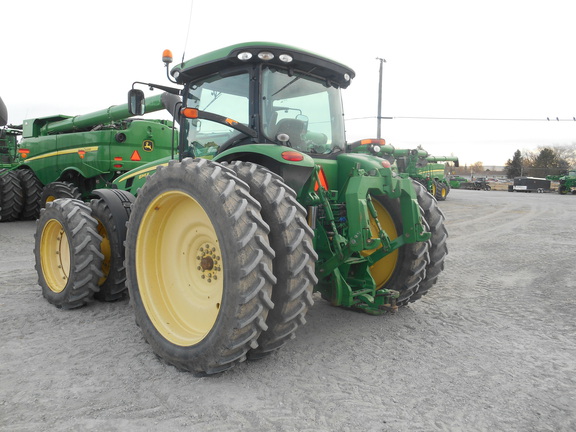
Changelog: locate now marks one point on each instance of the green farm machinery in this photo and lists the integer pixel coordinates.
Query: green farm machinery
(419, 165)
(566, 183)
(68, 157)
(222, 246)
(10, 184)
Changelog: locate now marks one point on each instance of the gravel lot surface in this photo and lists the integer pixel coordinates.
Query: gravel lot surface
(492, 347)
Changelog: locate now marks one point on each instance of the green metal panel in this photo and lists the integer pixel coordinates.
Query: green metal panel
(99, 153)
(271, 151)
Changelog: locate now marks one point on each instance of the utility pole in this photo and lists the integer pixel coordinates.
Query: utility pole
(379, 130)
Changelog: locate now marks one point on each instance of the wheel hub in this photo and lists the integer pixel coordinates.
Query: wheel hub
(208, 263)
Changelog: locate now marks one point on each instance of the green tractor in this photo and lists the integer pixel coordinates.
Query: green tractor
(567, 182)
(456, 181)
(68, 157)
(222, 247)
(419, 165)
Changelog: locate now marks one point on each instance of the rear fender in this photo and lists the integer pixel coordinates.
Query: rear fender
(293, 166)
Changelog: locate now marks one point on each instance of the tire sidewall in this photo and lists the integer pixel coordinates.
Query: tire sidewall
(200, 189)
(56, 211)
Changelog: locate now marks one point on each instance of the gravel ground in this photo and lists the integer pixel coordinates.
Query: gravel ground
(492, 347)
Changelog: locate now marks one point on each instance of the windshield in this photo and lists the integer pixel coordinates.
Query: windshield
(304, 113)
(226, 96)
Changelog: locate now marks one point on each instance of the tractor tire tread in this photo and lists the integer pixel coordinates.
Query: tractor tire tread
(291, 239)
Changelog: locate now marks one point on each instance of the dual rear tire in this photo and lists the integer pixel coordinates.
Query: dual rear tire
(19, 195)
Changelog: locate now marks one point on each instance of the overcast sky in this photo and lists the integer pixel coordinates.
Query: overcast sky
(502, 59)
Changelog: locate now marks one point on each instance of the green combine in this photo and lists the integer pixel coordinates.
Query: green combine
(566, 183)
(68, 157)
(265, 202)
(419, 165)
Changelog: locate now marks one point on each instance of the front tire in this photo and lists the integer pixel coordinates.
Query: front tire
(199, 266)
(438, 248)
(67, 253)
(292, 240)
(441, 191)
(403, 269)
(58, 189)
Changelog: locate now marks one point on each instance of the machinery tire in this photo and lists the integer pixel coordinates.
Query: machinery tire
(292, 241)
(67, 253)
(433, 188)
(405, 268)
(438, 248)
(11, 197)
(32, 190)
(199, 266)
(58, 189)
(113, 281)
(441, 191)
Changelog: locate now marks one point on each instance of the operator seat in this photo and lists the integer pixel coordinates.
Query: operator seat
(295, 129)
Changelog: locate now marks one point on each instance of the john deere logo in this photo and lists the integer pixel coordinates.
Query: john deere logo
(148, 145)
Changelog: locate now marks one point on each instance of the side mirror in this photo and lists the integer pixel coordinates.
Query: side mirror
(3, 114)
(136, 102)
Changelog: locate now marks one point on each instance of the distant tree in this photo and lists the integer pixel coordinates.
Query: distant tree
(549, 162)
(568, 153)
(477, 167)
(514, 165)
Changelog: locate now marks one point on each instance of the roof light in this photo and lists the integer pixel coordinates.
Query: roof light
(167, 57)
(286, 58)
(245, 55)
(346, 77)
(265, 55)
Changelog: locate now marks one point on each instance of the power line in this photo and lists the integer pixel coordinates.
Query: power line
(547, 119)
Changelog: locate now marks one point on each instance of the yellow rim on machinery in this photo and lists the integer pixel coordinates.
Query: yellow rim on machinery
(55, 255)
(179, 268)
(106, 250)
(382, 270)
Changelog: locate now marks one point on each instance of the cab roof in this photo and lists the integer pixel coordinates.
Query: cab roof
(335, 73)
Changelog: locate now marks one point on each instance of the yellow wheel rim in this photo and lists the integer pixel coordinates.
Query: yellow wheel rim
(433, 189)
(383, 269)
(55, 256)
(50, 198)
(106, 251)
(179, 268)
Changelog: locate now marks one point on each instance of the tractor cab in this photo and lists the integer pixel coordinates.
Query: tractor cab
(261, 93)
